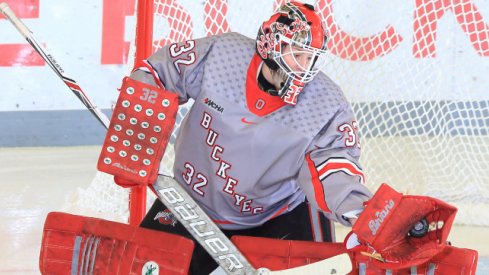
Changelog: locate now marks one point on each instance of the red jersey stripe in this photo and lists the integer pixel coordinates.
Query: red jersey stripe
(335, 165)
(317, 185)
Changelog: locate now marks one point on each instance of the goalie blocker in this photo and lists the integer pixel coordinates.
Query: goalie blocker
(139, 130)
(81, 245)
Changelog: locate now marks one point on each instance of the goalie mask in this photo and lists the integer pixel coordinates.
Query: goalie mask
(292, 43)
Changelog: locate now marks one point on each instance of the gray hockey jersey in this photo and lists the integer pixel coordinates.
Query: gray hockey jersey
(245, 156)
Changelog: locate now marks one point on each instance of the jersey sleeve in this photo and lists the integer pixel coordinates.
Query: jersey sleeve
(177, 67)
(331, 175)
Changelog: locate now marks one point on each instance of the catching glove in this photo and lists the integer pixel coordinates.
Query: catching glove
(400, 231)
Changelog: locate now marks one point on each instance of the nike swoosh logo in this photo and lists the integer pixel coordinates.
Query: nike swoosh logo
(246, 121)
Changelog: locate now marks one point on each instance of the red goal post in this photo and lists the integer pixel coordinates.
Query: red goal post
(144, 48)
(415, 73)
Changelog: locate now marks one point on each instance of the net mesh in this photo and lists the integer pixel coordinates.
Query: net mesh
(414, 71)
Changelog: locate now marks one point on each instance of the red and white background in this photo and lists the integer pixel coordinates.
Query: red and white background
(400, 41)
(415, 71)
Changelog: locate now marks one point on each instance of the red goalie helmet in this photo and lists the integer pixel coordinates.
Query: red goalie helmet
(294, 41)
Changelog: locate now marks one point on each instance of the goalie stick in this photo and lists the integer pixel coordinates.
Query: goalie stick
(71, 83)
(204, 230)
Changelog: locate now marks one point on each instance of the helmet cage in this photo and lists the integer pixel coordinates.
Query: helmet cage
(299, 61)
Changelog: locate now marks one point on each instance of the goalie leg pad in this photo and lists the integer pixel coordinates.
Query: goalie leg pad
(452, 261)
(276, 254)
(81, 245)
(139, 130)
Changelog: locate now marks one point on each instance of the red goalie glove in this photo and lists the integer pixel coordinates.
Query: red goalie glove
(139, 130)
(400, 231)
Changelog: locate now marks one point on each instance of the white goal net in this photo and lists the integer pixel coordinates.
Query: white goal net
(416, 73)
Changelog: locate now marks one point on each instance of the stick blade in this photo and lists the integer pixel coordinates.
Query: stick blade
(339, 265)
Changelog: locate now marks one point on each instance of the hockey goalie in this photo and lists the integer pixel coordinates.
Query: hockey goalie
(269, 149)
(394, 234)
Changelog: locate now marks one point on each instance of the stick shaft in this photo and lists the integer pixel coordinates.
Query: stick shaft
(69, 82)
(202, 228)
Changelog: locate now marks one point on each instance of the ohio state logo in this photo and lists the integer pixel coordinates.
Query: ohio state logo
(166, 217)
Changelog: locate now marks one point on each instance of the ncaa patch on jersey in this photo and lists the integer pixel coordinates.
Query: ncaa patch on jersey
(212, 104)
(150, 268)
